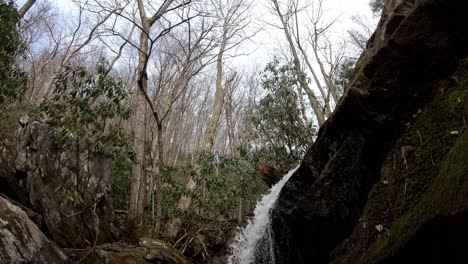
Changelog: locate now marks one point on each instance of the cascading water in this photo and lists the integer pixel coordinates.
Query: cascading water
(255, 240)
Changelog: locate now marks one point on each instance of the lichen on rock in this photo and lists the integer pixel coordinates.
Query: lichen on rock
(21, 241)
(68, 188)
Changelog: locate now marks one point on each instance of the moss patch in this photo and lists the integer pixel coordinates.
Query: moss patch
(446, 195)
(126, 256)
(423, 176)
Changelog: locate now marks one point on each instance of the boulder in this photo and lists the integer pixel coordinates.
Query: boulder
(416, 45)
(10, 182)
(68, 189)
(161, 252)
(21, 241)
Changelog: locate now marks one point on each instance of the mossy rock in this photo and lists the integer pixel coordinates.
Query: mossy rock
(149, 251)
(439, 171)
(423, 184)
(446, 196)
(161, 252)
(99, 256)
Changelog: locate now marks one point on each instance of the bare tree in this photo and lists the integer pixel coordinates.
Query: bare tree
(285, 18)
(314, 48)
(327, 57)
(229, 108)
(233, 18)
(139, 190)
(361, 32)
(40, 27)
(178, 64)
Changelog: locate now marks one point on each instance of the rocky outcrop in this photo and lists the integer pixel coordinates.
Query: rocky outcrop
(417, 44)
(8, 178)
(68, 189)
(21, 241)
(418, 210)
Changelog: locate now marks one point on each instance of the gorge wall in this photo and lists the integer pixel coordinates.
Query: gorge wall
(372, 186)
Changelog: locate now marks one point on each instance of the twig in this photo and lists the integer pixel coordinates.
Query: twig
(204, 248)
(404, 191)
(187, 244)
(93, 248)
(419, 134)
(180, 239)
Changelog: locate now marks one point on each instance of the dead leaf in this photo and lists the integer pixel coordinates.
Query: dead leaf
(379, 227)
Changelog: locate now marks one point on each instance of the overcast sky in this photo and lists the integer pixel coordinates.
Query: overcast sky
(265, 44)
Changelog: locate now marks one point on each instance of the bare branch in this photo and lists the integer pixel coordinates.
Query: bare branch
(25, 8)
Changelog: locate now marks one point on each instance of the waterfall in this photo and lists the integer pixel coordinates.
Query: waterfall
(256, 239)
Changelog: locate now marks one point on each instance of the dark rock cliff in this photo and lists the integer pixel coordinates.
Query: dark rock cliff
(418, 210)
(417, 45)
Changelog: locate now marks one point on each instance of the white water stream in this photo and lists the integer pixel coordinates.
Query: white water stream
(256, 237)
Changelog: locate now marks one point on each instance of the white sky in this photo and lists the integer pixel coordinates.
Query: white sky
(265, 44)
(269, 41)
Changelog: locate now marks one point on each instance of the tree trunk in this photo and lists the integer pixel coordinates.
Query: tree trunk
(159, 180)
(25, 8)
(230, 122)
(138, 183)
(219, 100)
(138, 188)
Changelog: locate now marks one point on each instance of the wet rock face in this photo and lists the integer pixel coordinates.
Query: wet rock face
(416, 44)
(66, 188)
(21, 241)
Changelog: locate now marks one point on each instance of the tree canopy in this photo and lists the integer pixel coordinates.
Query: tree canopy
(278, 118)
(11, 46)
(377, 6)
